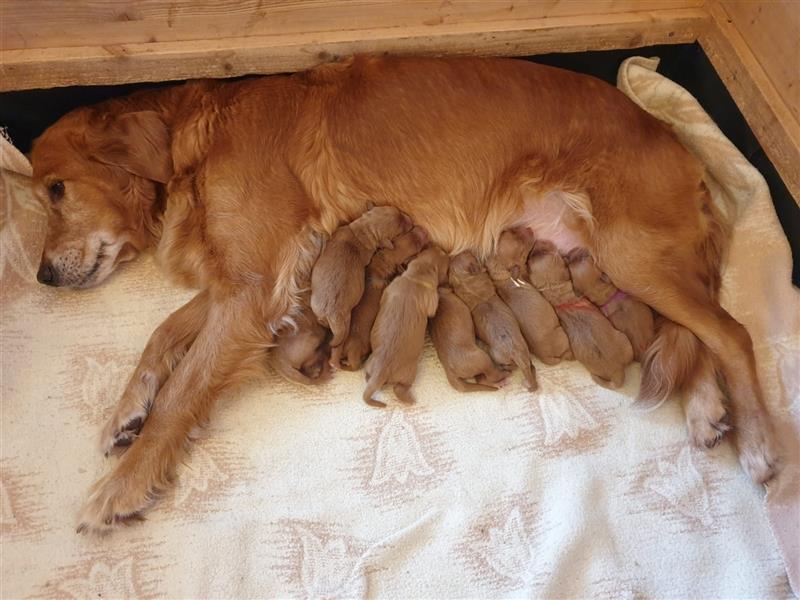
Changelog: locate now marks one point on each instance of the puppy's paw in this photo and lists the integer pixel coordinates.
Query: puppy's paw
(112, 503)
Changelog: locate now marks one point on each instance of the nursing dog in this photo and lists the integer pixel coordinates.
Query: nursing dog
(229, 181)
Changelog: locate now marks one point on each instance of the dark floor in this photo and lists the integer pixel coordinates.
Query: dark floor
(28, 113)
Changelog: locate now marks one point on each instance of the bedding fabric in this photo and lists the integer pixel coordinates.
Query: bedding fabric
(308, 492)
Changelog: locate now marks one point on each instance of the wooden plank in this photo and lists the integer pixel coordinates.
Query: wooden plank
(48, 24)
(771, 120)
(772, 32)
(124, 63)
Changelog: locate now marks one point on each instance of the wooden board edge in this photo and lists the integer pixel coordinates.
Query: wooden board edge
(773, 124)
(127, 63)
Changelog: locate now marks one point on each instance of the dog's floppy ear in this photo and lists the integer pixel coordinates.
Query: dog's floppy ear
(387, 243)
(576, 255)
(139, 142)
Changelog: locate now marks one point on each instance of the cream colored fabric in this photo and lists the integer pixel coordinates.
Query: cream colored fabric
(296, 492)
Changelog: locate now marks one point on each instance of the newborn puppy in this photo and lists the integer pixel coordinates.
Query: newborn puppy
(631, 317)
(603, 350)
(337, 279)
(383, 266)
(453, 337)
(494, 321)
(536, 317)
(399, 332)
(301, 355)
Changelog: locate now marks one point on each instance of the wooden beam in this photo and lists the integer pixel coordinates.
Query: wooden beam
(162, 61)
(772, 121)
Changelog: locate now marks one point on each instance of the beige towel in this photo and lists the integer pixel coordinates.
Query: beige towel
(296, 492)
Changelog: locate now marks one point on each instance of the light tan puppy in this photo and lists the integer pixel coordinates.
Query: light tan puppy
(495, 324)
(337, 279)
(383, 266)
(453, 337)
(301, 354)
(399, 332)
(631, 317)
(603, 350)
(537, 319)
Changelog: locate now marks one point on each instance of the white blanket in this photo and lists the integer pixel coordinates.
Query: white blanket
(296, 492)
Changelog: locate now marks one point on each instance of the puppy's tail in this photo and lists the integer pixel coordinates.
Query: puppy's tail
(668, 363)
(528, 371)
(340, 327)
(374, 383)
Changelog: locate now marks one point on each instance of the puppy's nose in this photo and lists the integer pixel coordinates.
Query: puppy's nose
(47, 274)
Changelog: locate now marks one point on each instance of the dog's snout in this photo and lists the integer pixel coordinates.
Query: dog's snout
(47, 274)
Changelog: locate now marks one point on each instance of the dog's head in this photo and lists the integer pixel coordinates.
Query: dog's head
(587, 279)
(513, 248)
(97, 173)
(546, 268)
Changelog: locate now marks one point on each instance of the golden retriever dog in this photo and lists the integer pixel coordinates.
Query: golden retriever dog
(453, 336)
(494, 322)
(626, 314)
(398, 335)
(537, 320)
(383, 266)
(337, 279)
(228, 181)
(604, 351)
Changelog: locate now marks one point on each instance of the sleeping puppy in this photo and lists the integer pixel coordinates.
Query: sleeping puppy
(337, 279)
(603, 350)
(631, 317)
(453, 337)
(301, 355)
(383, 266)
(495, 324)
(536, 317)
(399, 332)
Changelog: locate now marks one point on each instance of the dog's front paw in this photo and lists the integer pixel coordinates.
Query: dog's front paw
(113, 502)
(129, 415)
(707, 422)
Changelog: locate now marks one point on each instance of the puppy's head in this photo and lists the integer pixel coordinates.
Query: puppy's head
(96, 174)
(513, 249)
(381, 225)
(587, 279)
(546, 268)
(408, 245)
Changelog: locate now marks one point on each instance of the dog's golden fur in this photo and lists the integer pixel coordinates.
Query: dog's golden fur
(398, 335)
(494, 322)
(383, 266)
(453, 336)
(537, 320)
(229, 180)
(626, 314)
(604, 351)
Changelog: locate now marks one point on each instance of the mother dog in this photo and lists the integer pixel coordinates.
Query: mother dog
(232, 182)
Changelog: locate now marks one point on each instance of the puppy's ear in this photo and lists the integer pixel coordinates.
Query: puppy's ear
(387, 243)
(576, 255)
(139, 142)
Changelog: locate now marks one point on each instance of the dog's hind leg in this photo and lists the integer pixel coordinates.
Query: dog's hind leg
(229, 346)
(165, 349)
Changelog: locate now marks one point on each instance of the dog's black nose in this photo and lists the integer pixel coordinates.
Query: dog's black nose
(47, 274)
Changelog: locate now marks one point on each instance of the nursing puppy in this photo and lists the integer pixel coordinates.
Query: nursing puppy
(399, 332)
(383, 266)
(337, 279)
(629, 316)
(495, 324)
(453, 337)
(536, 317)
(603, 350)
(301, 354)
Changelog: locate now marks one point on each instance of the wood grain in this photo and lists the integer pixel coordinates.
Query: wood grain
(772, 121)
(227, 57)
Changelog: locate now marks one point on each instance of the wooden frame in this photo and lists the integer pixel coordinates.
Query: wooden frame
(45, 43)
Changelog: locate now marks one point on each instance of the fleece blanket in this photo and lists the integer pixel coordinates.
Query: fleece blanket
(308, 492)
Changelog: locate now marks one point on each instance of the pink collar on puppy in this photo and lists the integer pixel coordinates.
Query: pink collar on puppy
(572, 304)
(618, 295)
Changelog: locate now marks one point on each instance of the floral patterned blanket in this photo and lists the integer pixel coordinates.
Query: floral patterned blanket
(296, 492)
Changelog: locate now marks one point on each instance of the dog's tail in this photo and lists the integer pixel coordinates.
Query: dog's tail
(669, 361)
(528, 371)
(340, 328)
(375, 381)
